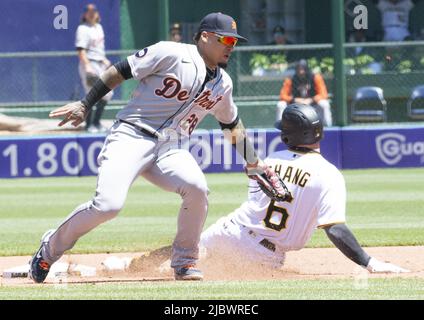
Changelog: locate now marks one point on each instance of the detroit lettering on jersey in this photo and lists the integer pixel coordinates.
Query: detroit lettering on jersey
(319, 199)
(168, 94)
(172, 89)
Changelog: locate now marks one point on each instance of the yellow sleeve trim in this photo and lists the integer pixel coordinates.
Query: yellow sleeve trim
(330, 224)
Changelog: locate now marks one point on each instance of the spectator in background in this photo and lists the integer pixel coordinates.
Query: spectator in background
(307, 88)
(279, 37)
(90, 45)
(358, 36)
(175, 33)
(395, 18)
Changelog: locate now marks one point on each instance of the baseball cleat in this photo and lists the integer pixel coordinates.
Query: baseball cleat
(38, 267)
(189, 272)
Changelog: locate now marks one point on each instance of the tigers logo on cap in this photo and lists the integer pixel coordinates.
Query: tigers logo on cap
(233, 25)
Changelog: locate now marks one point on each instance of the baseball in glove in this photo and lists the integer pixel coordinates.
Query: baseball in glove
(270, 183)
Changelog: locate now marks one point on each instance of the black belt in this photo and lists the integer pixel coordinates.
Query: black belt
(141, 129)
(267, 244)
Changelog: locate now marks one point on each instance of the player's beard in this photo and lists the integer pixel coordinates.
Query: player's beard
(222, 65)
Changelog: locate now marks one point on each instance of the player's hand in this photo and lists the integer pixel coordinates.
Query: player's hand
(75, 112)
(269, 182)
(255, 168)
(377, 266)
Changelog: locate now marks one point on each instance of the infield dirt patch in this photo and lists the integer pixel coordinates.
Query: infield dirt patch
(314, 263)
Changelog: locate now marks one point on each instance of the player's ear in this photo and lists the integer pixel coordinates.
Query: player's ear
(204, 37)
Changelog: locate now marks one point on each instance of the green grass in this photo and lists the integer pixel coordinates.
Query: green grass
(288, 289)
(385, 207)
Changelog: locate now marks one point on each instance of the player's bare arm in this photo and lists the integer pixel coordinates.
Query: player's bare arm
(341, 236)
(237, 135)
(77, 111)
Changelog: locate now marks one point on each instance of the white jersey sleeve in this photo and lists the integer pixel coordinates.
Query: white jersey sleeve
(332, 203)
(227, 111)
(82, 37)
(151, 60)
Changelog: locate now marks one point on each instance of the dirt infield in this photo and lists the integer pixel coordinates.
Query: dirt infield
(304, 264)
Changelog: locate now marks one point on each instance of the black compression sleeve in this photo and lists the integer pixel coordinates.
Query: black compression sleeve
(124, 69)
(345, 241)
(98, 91)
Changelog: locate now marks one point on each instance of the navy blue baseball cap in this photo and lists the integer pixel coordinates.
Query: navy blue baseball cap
(220, 23)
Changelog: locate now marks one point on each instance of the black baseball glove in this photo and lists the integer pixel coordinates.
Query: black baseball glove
(270, 183)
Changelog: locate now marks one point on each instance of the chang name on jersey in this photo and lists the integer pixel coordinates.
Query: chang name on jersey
(319, 199)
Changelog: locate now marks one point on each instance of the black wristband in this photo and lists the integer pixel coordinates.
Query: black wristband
(98, 91)
(229, 125)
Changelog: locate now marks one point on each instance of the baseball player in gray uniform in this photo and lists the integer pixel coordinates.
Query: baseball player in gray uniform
(179, 84)
(90, 44)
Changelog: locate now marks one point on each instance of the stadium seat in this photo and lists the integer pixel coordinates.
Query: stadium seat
(416, 103)
(369, 105)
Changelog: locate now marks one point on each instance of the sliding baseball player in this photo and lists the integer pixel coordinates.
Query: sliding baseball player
(262, 230)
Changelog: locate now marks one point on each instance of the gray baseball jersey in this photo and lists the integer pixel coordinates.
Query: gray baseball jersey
(92, 39)
(172, 93)
(168, 95)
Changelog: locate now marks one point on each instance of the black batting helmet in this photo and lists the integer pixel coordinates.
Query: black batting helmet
(300, 125)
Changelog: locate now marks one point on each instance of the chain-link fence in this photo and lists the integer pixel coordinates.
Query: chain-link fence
(258, 72)
(397, 68)
(34, 77)
(34, 82)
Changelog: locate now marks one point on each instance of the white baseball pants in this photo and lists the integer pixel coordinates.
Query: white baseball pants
(230, 242)
(126, 154)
